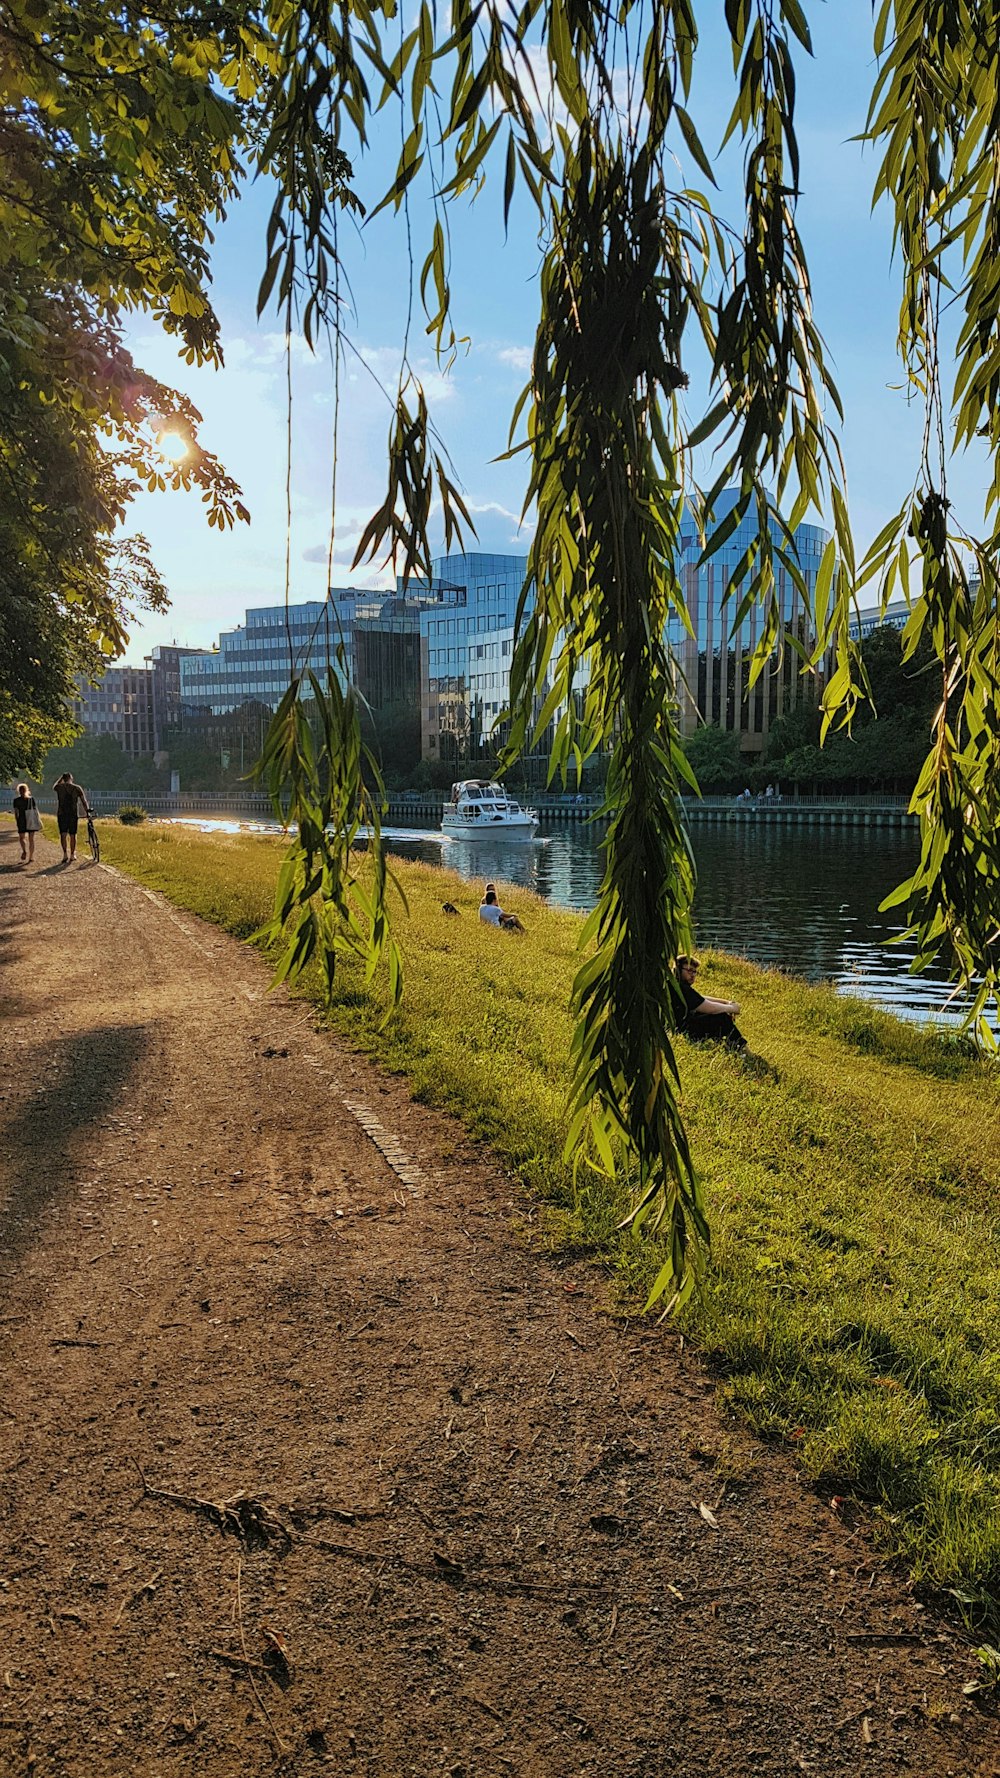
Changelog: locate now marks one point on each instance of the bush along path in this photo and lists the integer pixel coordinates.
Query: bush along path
(312, 1464)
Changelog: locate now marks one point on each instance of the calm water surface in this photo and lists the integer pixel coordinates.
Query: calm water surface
(803, 899)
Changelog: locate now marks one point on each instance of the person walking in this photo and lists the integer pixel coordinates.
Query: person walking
(27, 821)
(69, 797)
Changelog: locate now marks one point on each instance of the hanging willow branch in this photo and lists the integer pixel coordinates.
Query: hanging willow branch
(935, 114)
(624, 284)
(581, 114)
(325, 786)
(605, 480)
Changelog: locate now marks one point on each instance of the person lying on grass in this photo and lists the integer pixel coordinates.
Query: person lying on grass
(705, 1020)
(492, 913)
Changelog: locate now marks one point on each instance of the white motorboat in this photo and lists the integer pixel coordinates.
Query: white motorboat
(478, 808)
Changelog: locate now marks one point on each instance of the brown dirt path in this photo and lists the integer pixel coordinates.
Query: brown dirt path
(235, 1258)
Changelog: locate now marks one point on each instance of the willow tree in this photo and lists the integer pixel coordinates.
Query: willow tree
(584, 109)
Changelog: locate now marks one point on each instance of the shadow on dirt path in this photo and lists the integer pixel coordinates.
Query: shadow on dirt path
(71, 1084)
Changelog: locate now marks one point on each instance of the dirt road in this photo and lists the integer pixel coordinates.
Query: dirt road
(309, 1464)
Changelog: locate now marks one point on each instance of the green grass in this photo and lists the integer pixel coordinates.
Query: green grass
(851, 1306)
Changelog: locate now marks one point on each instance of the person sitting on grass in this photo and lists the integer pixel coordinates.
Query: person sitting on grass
(704, 1020)
(492, 913)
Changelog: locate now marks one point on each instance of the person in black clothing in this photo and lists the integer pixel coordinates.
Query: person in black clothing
(27, 822)
(69, 799)
(706, 1021)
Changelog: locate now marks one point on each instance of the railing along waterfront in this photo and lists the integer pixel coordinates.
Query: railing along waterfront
(408, 806)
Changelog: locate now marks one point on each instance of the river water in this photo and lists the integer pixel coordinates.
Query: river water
(803, 899)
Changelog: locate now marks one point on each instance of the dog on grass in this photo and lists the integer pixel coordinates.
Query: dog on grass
(448, 907)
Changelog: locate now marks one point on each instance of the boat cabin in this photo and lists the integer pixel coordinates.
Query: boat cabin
(478, 790)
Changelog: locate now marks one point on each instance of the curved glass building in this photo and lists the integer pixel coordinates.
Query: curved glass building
(714, 664)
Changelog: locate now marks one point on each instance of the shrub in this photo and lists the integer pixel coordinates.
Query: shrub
(131, 814)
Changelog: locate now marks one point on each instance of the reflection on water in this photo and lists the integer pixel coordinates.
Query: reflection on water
(218, 823)
(807, 899)
(803, 899)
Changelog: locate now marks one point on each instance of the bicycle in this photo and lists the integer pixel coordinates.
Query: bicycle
(92, 840)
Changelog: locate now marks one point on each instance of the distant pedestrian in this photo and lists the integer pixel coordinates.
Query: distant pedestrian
(69, 797)
(28, 822)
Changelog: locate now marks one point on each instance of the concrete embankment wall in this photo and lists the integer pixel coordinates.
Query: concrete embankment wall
(881, 812)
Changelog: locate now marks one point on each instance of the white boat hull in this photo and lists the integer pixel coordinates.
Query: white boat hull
(479, 807)
(497, 828)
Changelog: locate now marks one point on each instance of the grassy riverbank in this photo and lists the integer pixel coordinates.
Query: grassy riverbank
(851, 1306)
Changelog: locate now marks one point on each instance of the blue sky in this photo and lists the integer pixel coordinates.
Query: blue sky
(212, 578)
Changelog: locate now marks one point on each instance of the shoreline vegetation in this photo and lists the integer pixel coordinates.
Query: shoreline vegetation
(849, 1308)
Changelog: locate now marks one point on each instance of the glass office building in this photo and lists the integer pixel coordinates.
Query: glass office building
(120, 705)
(164, 664)
(254, 662)
(380, 634)
(447, 644)
(714, 664)
(466, 643)
(895, 617)
(468, 647)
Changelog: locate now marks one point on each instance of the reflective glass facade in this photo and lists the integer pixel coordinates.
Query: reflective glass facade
(714, 665)
(165, 669)
(467, 649)
(254, 662)
(465, 653)
(121, 705)
(380, 633)
(448, 644)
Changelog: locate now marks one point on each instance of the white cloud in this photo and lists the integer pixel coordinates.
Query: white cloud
(369, 362)
(498, 530)
(518, 357)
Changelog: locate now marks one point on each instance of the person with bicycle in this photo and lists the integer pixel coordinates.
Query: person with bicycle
(69, 798)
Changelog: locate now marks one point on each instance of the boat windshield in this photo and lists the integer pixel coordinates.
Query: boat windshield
(481, 794)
